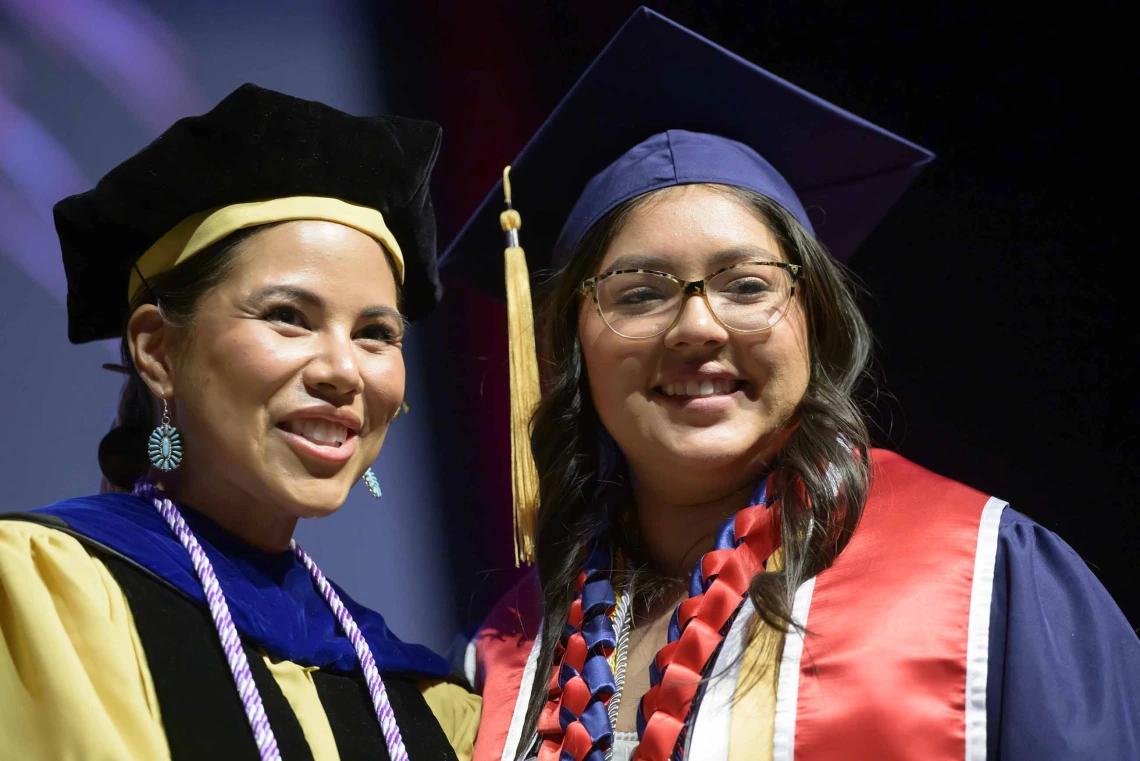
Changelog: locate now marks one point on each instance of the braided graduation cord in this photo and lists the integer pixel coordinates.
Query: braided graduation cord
(574, 725)
(220, 611)
(392, 737)
(717, 588)
(583, 694)
(231, 641)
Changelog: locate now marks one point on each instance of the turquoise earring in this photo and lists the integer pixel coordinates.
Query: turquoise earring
(165, 446)
(372, 483)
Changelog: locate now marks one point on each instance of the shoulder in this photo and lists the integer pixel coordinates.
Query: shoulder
(910, 505)
(50, 576)
(504, 653)
(41, 539)
(62, 614)
(892, 475)
(1035, 565)
(1018, 534)
(90, 527)
(90, 515)
(503, 642)
(1053, 623)
(517, 613)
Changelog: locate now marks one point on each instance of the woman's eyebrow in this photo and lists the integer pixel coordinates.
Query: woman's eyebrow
(308, 297)
(638, 261)
(290, 292)
(382, 311)
(720, 258)
(735, 254)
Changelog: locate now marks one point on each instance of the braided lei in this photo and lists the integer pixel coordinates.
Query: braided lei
(575, 724)
(231, 640)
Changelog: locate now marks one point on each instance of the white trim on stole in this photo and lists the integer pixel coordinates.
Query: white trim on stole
(978, 637)
(788, 687)
(712, 727)
(518, 718)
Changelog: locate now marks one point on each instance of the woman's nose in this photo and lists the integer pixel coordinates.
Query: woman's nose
(695, 326)
(335, 369)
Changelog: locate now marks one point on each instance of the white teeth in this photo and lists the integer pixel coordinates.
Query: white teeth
(320, 431)
(699, 388)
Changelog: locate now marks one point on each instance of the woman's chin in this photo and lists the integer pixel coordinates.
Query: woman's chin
(313, 498)
(709, 448)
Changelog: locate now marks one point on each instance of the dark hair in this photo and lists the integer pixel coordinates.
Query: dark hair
(820, 476)
(176, 292)
(123, 451)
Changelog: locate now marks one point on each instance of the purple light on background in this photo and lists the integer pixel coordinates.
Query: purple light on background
(34, 161)
(30, 243)
(125, 47)
(41, 171)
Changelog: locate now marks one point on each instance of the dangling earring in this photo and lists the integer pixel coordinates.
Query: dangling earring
(165, 444)
(372, 484)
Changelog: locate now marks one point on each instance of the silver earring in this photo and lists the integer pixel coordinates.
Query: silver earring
(165, 444)
(372, 484)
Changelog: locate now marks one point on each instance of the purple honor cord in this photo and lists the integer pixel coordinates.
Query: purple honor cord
(392, 738)
(235, 655)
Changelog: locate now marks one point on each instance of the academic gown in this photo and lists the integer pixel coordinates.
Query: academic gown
(108, 650)
(951, 627)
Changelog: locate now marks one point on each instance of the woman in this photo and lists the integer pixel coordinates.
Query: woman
(725, 567)
(258, 263)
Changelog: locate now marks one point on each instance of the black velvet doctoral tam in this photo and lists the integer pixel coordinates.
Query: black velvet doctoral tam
(255, 145)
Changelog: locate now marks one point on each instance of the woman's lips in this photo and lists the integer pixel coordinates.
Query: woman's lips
(322, 439)
(704, 395)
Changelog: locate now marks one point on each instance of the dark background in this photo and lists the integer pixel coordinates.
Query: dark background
(999, 288)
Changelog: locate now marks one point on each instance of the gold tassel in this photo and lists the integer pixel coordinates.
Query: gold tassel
(525, 390)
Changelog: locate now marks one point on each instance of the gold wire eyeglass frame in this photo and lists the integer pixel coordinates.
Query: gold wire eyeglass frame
(589, 287)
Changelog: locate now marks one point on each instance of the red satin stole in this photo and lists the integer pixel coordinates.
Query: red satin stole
(883, 670)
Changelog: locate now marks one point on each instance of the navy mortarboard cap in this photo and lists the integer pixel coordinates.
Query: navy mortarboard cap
(662, 106)
(674, 157)
(257, 157)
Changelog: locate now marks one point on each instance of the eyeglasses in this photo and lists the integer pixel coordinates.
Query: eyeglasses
(745, 298)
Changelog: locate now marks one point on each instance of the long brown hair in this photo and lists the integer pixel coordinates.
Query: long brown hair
(820, 476)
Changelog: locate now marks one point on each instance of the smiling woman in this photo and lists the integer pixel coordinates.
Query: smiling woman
(260, 295)
(286, 378)
(726, 568)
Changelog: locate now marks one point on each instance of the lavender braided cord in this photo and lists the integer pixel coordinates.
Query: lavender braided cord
(392, 737)
(231, 642)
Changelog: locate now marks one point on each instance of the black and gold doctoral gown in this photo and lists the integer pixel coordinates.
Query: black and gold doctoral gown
(108, 650)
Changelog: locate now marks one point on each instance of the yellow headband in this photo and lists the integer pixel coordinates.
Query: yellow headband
(201, 230)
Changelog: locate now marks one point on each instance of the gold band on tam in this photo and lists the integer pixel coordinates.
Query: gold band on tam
(195, 233)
